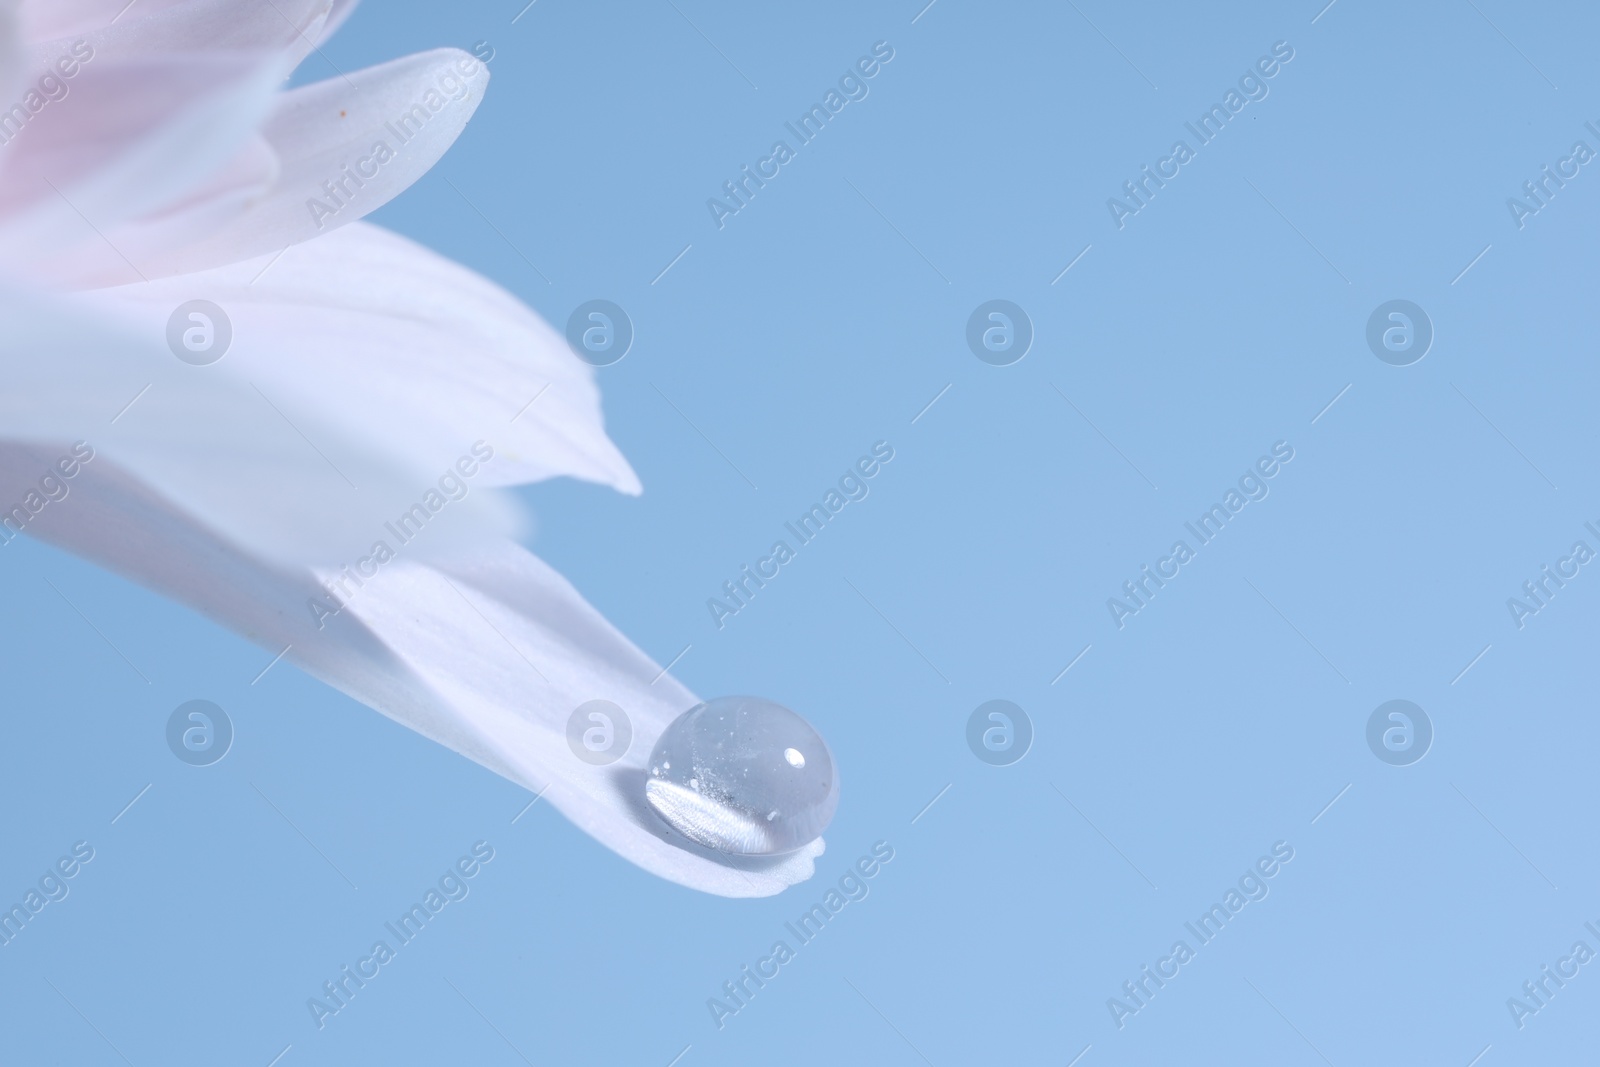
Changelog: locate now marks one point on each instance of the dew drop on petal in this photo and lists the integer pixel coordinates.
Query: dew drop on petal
(754, 778)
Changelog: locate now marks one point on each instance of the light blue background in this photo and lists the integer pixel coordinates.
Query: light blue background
(804, 331)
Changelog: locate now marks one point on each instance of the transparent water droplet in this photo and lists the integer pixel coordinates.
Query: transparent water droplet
(755, 779)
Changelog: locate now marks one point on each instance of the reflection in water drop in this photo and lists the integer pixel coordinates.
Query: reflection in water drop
(753, 778)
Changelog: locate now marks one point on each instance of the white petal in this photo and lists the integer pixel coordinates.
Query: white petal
(513, 649)
(345, 152)
(201, 211)
(131, 137)
(118, 29)
(45, 20)
(488, 656)
(248, 459)
(407, 351)
(185, 83)
(342, 9)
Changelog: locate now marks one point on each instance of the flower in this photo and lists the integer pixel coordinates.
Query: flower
(370, 388)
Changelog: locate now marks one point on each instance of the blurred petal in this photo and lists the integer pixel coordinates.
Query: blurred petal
(342, 10)
(131, 137)
(201, 211)
(345, 152)
(44, 20)
(406, 351)
(251, 460)
(116, 29)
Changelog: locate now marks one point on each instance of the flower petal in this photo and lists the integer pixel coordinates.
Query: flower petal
(342, 9)
(185, 83)
(45, 20)
(347, 146)
(131, 137)
(514, 650)
(251, 461)
(488, 655)
(406, 351)
(119, 29)
(201, 211)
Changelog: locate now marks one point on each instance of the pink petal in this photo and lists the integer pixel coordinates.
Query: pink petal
(45, 20)
(203, 209)
(116, 29)
(345, 152)
(130, 137)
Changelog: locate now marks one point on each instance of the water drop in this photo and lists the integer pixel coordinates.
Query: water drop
(743, 761)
